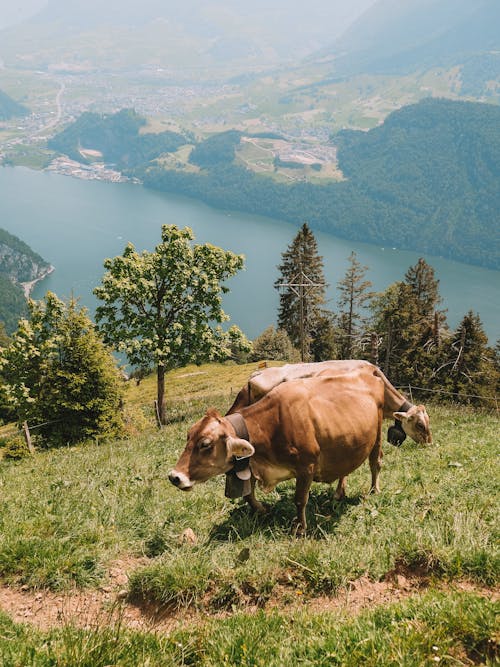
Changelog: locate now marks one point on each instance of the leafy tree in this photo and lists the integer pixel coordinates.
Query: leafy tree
(160, 307)
(354, 297)
(273, 344)
(58, 373)
(302, 286)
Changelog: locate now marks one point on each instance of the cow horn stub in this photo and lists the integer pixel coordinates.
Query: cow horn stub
(395, 435)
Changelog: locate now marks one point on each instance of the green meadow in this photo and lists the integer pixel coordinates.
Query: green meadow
(244, 590)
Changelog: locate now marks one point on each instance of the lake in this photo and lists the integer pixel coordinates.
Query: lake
(75, 224)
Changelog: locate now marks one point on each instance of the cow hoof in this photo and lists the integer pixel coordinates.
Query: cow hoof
(297, 529)
(339, 496)
(261, 508)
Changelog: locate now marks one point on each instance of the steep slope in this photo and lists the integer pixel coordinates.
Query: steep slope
(114, 34)
(9, 108)
(397, 36)
(18, 264)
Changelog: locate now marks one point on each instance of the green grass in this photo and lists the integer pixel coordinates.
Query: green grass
(67, 514)
(457, 628)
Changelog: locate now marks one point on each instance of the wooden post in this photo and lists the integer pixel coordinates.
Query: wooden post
(389, 347)
(27, 437)
(157, 415)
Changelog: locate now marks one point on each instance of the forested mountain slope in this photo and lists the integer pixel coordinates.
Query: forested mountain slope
(9, 108)
(18, 264)
(428, 180)
(438, 163)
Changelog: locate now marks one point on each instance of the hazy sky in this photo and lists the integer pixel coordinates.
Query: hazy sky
(15, 11)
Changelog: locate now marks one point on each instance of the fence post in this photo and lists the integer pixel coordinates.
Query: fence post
(27, 437)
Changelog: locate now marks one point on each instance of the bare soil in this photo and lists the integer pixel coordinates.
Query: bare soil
(110, 604)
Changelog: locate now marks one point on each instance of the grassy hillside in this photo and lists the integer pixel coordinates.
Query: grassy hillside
(397, 578)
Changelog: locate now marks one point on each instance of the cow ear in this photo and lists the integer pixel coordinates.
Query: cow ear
(239, 447)
(400, 415)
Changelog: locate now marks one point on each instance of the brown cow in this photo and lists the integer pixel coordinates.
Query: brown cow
(411, 420)
(317, 429)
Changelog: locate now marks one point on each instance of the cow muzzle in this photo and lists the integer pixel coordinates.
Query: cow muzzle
(180, 480)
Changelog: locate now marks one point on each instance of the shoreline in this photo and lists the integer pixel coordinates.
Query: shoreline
(28, 286)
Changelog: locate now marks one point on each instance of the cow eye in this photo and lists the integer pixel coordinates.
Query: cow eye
(205, 444)
(420, 426)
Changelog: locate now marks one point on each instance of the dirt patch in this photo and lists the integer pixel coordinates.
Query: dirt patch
(109, 604)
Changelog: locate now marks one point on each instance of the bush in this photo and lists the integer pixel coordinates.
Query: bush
(14, 448)
(274, 344)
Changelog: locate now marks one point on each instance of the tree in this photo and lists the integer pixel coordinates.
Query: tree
(58, 373)
(470, 365)
(160, 307)
(302, 289)
(324, 338)
(424, 286)
(274, 345)
(354, 297)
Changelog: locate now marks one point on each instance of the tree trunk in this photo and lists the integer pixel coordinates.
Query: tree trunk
(162, 412)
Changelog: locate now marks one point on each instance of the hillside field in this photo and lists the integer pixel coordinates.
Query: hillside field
(104, 562)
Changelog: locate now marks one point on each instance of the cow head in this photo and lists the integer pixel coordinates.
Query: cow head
(415, 423)
(211, 446)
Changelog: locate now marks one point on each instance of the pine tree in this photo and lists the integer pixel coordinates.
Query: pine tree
(469, 369)
(354, 298)
(411, 327)
(302, 290)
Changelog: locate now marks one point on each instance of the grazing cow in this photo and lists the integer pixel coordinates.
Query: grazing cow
(411, 420)
(316, 429)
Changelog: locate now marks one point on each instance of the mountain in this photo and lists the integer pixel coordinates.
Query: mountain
(427, 179)
(9, 108)
(18, 264)
(116, 34)
(400, 36)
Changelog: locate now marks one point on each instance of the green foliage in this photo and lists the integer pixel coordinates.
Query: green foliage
(9, 108)
(468, 364)
(57, 372)
(159, 307)
(117, 137)
(217, 149)
(427, 180)
(274, 344)
(302, 289)
(14, 447)
(13, 304)
(353, 300)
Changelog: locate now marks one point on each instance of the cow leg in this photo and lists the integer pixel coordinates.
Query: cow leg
(340, 490)
(255, 504)
(302, 486)
(376, 458)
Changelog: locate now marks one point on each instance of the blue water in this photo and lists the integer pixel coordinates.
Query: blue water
(76, 224)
